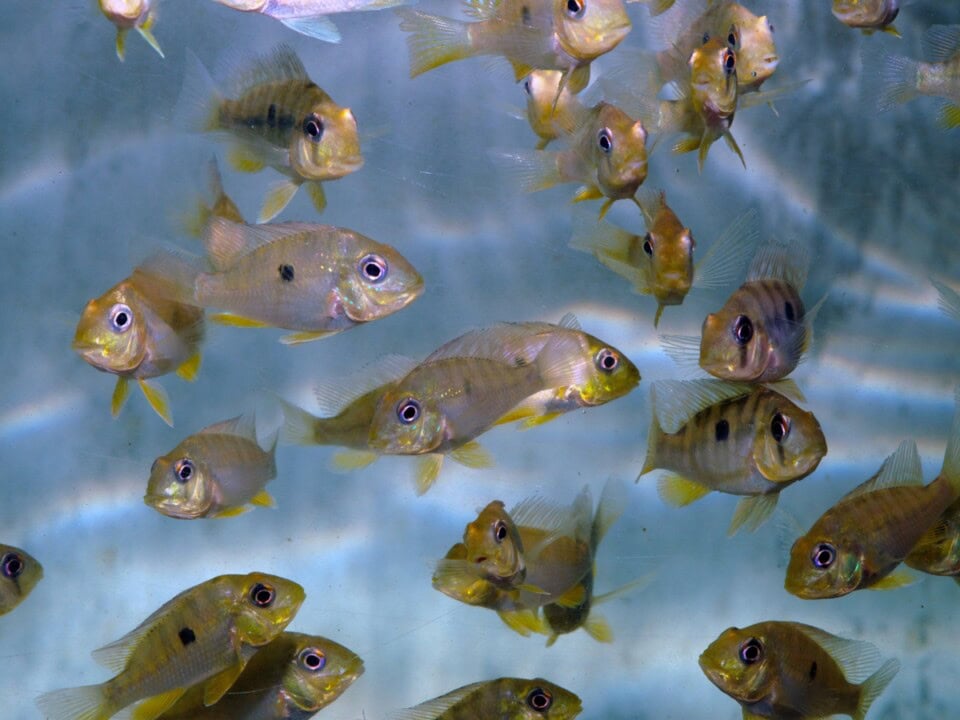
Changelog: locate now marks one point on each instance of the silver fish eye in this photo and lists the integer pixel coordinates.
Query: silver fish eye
(12, 565)
(500, 531)
(312, 659)
(780, 427)
(605, 141)
(408, 411)
(121, 317)
(824, 555)
(729, 61)
(576, 8)
(373, 268)
(606, 360)
(263, 595)
(526, 87)
(313, 127)
(648, 244)
(751, 651)
(184, 470)
(540, 700)
(742, 330)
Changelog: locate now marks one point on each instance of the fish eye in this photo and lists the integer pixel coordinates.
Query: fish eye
(121, 317)
(742, 330)
(263, 595)
(500, 531)
(526, 87)
(312, 659)
(751, 651)
(824, 555)
(648, 244)
(408, 411)
(780, 427)
(540, 700)
(184, 470)
(605, 141)
(706, 38)
(373, 268)
(313, 127)
(729, 61)
(606, 360)
(575, 8)
(12, 565)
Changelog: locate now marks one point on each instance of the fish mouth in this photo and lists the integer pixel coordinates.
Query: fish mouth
(166, 506)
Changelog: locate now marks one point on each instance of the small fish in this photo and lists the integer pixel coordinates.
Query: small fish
(277, 117)
(607, 154)
(553, 111)
(309, 17)
(19, 573)
(135, 331)
(905, 79)
(206, 634)
(780, 669)
(868, 15)
(860, 541)
(503, 699)
(315, 279)
(140, 15)
(730, 438)
(214, 473)
(291, 678)
(660, 262)
(563, 35)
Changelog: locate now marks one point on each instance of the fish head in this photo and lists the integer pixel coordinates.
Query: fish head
(537, 699)
(737, 662)
(671, 263)
(180, 486)
(619, 149)
(262, 605)
(112, 334)
(326, 145)
(318, 672)
(19, 574)
(713, 80)
(608, 373)
(757, 55)
(457, 578)
(733, 344)
(124, 13)
(548, 113)
(866, 13)
(492, 542)
(587, 29)
(789, 443)
(376, 280)
(822, 568)
(407, 423)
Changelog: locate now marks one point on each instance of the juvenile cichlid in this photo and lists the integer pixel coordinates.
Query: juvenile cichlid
(278, 117)
(206, 634)
(139, 15)
(868, 15)
(19, 574)
(214, 473)
(291, 678)
(860, 541)
(309, 17)
(552, 110)
(136, 331)
(905, 79)
(789, 670)
(736, 439)
(503, 699)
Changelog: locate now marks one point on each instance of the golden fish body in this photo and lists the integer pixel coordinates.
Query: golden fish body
(139, 15)
(665, 253)
(206, 634)
(291, 678)
(905, 79)
(19, 574)
(868, 15)
(713, 85)
(790, 670)
(503, 699)
(214, 473)
(349, 428)
(552, 109)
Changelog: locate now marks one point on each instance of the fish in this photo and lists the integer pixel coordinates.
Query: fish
(206, 634)
(868, 15)
(317, 280)
(309, 17)
(139, 15)
(779, 669)
(660, 262)
(937, 552)
(137, 332)
(733, 438)
(552, 111)
(19, 574)
(904, 79)
(503, 698)
(859, 542)
(291, 678)
(276, 116)
(607, 154)
(563, 35)
(217, 472)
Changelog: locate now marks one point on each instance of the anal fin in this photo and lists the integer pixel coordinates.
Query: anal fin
(157, 397)
(679, 491)
(155, 706)
(217, 686)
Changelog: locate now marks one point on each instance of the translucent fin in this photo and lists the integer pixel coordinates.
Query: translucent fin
(533, 170)
(317, 196)
(428, 468)
(874, 686)
(688, 145)
(154, 707)
(949, 116)
(277, 66)
(215, 687)
(788, 388)
(434, 40)
(472, 455)
(520, 412)
(191, 368)
(788, 261)
(263, 499)
(752, 512)
(940, 42)
(678, 491)
(677, 401)
(244, 426)
(732, 144)
(656, 7)
(949, 299)
(598, 628)
(590, 192)
(278, 197)
(537, 420)
(436, 708)
(349, 460)
(298, 425)
(683, 349)
(891, 30)
(146, 32)
(243, 159)
(768, 95)
(640, 582)
(157, 397)
(725, 261)
(121, 391)
(654, 438)
(951, 457)
(337, 394)
(901, 467)
(897, 579)
(611, 246)
(523, 622)
(315, 26)
(613, 501)
(231, 320)
(196, 109)
(299, 338)
(121, 44)
(856, 658)
(899, 80)
(480, 9)
(79, 703)
(171, 275)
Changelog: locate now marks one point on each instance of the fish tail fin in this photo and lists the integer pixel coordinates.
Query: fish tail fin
(78, 703)
(299, 426)
(611, 246)
(951, 458)
(316, 26)
(874, 685)
(434, 40)
(658, 7)
(197, 107)
(613, 501)
(532, 170)
(598, 628)
(654, 437)
(949, 116)
(899, 81)
(216, 204)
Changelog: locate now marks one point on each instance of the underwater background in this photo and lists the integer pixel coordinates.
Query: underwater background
(95, 176)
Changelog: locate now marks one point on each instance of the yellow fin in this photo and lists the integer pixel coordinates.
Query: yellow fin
(520, 412)
(732, 144)
(572, 598)
(237, 320)
(688, 145)
(157, 397)
(189, 370)
(243, 160)
(434, 40)
(522, 622)
(299, 338)
(679, 491)
(146, 32)
(121, 43)
(891, 30)
(263, 499)
(217, 686)
(536, 420)
(598, 629)
(472, 455)
(317, 195)
(897, 579)
(428, 468)
(121, 392)
(590, 192)
(949, 116)
(278, 196)
(603, 208)
(232, 512)
(348, 460)
(752, 512)
(656, 318)
(155, 706)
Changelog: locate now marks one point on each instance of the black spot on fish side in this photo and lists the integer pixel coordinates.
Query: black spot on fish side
(722, 430)
(187, 636)
(272, 115)
(286, 273)
(525, 16)
(813, 670)
(788, 311)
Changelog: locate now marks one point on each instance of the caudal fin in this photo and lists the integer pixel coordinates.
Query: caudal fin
(433, 40)
(299, 426)
(79, 703)
(899, 79)
(875, 685)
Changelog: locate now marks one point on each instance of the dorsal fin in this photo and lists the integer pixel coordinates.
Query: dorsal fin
(335, 394)
(901, 468)
(677, 401)
(941, 42)
(226, 241)
(480, 9)
(787, 261)
(438, 707)
(280, 65)
(244, 426)
(855, 657)
(569, 321)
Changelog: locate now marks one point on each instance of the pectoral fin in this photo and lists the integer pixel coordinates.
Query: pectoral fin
(146, 32)
(121, 44)
(317, 195)
(217, 686)
(897, 579)
(472, 455)
(278, 197)
(154, 707)
(679, 491)
(263, 499)
(572, 598)
(243, 160)
(428, 468)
